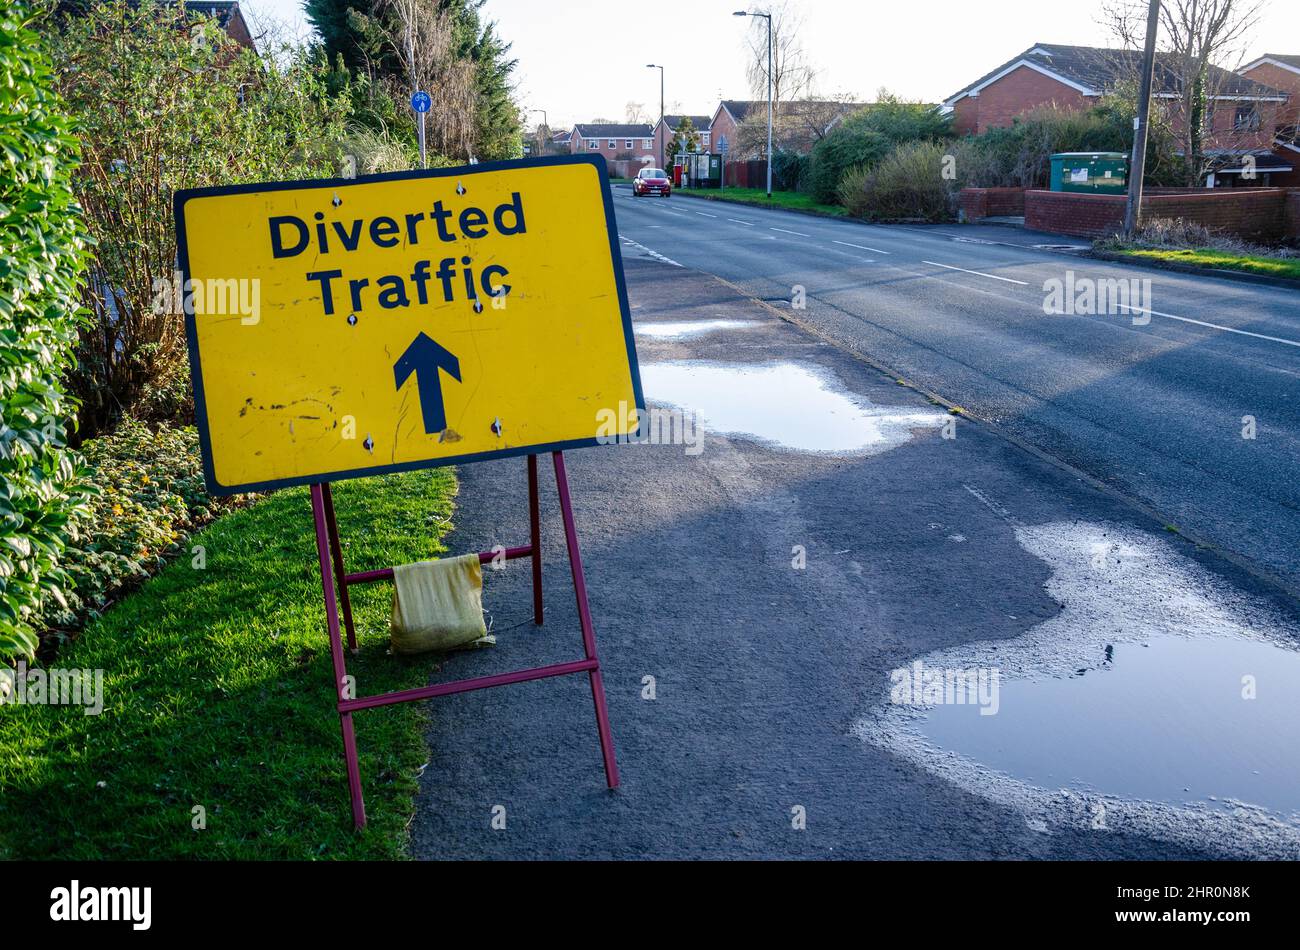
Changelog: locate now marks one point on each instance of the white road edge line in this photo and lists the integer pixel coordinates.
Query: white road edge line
(655, 254)
(748, 224)
(862, 247)
(796, 233)
(978, 273)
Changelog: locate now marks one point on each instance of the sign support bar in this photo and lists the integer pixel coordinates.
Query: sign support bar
(333, 574)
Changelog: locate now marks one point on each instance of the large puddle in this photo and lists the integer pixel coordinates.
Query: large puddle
(784, 404)
(1158, 700)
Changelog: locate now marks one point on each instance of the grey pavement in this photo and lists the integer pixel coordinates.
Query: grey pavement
(761, 669)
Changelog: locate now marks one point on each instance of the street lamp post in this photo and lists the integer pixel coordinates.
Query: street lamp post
(768, 17)
(661, 102)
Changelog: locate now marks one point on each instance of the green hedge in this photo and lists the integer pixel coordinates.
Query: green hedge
(41, 485)
(867, 136)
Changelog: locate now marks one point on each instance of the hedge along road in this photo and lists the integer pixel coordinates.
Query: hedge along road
(1188, 406)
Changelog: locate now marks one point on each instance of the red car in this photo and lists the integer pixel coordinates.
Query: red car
(651, 181)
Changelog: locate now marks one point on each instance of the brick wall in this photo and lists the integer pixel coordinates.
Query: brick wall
(978, 203)
(1293, 214)
(1073, 214)
(1015, 94)
(966, 116)
(1256, 214)
(720, 126)
(1284, 80)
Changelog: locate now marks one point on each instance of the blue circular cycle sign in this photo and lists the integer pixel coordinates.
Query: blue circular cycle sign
(420, 101)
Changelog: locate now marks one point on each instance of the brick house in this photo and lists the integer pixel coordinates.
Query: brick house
(666, 129)
(1245, 112)
(228, 16)
(1282, 72)
(729, 114)
(614, 141)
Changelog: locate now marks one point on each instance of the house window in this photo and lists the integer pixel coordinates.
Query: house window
(613, 143)
(647, 143)
(592, 145)
(1246, 119)
(628, 144)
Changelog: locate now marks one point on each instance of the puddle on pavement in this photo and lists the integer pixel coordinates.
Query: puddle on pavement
(690, 329)
(1159, 699)
(786, 404)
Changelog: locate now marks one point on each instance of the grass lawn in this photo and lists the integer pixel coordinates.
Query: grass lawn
(790, 200)
(218, 692)
(1227, 260)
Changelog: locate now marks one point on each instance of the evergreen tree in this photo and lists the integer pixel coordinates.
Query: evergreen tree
(353, 32)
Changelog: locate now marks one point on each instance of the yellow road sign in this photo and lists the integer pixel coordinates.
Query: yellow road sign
(352, 327)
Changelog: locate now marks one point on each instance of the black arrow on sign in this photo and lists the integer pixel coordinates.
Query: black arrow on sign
(425, 357)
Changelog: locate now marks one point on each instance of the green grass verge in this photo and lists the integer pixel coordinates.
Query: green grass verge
(788, 200)
(218, 692)
(1224, 260)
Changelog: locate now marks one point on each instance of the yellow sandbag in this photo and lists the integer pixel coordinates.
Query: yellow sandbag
(438, 605)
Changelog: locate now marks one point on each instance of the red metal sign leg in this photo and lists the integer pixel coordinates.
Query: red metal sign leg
(318, 510)
(535, 526)
(336, 551)
(584, 617)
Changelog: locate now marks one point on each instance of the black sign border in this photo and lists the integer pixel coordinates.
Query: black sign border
(191, 324)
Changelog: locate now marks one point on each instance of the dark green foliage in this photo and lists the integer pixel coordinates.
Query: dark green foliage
(41, 486)
(150, 498)
(867, 136)
(791, 171)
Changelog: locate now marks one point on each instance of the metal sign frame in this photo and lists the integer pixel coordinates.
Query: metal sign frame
(335, 580)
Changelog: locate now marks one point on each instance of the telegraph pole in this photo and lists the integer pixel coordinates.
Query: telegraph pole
(1137, 167)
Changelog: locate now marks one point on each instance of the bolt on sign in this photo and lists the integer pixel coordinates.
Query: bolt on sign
(406, 320)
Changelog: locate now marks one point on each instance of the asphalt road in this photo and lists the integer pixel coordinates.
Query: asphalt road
(761, 667)
(1154, 411)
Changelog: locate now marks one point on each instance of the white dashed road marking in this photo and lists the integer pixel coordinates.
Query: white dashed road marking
(978, 273)
(863, 247)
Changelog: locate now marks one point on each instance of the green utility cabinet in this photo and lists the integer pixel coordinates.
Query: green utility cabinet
(1103, 173)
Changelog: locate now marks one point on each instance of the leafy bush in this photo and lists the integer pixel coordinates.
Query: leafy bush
(841, 150)
(790, 171)
(1019, 156)
(867, 136)
(166, 101)
(908, 183)
(41, 488)
(151, 498)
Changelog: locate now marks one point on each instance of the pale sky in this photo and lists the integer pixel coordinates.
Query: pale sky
(585, 59)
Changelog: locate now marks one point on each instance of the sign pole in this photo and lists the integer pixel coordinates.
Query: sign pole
(421, 102)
